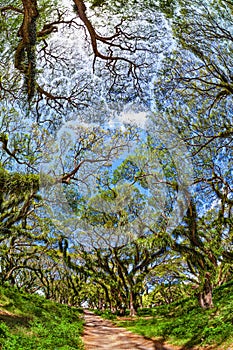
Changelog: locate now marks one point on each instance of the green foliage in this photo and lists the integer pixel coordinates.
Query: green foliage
(121, 5)
(184, 323)
(16, 183)
(97, 3)
(106, 314)
(196, 83)
(4, 332)
(36, 323)
(167, 7)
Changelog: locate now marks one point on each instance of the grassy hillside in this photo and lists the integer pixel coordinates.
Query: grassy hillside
(30, 322)
(185, 324)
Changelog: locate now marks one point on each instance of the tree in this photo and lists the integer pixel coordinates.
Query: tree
(113, 199)
(119, 233)
(198, 95)
(19, 225)
(201, 242)
(198, 73)
(120, 272)
(113, 243)
(39, 52)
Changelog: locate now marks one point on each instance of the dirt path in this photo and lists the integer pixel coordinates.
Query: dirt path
(103, 335)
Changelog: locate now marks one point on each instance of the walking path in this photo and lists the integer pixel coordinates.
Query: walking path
(103, 335)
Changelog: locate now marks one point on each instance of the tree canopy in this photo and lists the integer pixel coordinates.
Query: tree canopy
(116, 150)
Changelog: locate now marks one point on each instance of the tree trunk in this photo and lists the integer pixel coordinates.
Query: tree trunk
(132, 307)
(205, 296)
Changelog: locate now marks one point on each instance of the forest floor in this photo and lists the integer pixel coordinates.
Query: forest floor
(104, 335)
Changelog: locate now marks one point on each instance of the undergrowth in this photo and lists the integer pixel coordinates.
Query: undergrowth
(106, 314)
(30, 322)
(184, 323)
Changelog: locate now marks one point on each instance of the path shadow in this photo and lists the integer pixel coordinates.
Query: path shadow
(13, 320)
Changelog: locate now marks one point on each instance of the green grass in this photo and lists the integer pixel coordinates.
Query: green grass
(105, 314)
(184, 323)
(30, 322)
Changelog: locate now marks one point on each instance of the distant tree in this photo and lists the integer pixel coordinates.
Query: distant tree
(120, 272)
(112, 242)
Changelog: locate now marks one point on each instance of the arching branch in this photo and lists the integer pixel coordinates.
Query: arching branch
(25, 59)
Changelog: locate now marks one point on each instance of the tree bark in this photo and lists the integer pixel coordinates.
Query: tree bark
(205, 296)
(132, 307)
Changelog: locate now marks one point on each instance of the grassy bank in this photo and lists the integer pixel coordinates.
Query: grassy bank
(30, 322)
(185, 324)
